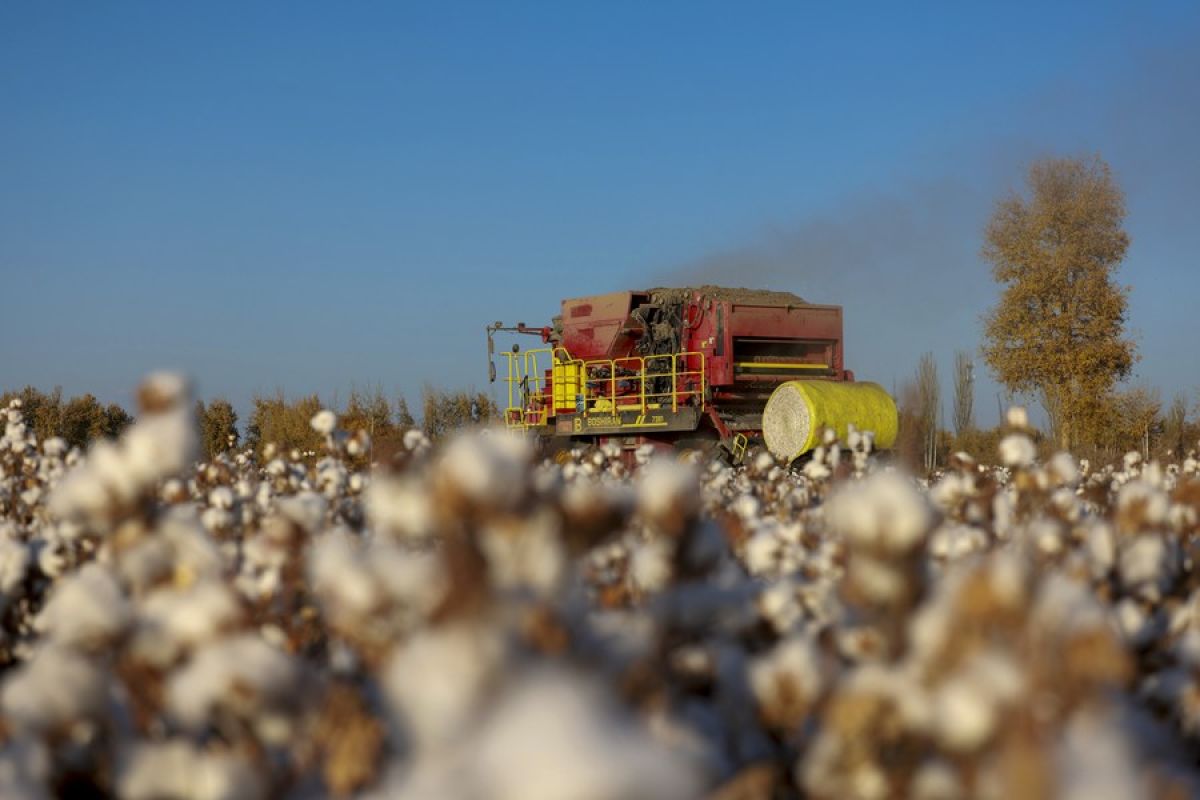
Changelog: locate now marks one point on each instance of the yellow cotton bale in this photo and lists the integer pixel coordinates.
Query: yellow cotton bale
(798, 411)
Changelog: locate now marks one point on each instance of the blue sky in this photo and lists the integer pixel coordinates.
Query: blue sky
(312, 196)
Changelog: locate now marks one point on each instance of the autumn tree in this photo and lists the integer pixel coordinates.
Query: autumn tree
(928, 403)
(445, 412)
(274, 420)
(1058, 329)
(368, 412)
(218, 427)
(404, 417)
(964, 392)
(42, 410)
(1136, 422)
(1175, 427)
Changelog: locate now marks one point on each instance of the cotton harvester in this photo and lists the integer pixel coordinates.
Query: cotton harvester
(686, 367)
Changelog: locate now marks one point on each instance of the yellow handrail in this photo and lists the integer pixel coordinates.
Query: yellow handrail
(601, 383)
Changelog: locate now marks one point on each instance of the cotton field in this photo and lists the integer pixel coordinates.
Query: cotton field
(468, 623)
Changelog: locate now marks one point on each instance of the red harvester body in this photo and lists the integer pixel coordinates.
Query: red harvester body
(669, 365)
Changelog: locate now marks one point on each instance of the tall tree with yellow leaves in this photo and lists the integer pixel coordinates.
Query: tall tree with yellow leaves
(1058, 329)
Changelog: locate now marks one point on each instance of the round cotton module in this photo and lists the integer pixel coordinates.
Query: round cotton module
(798, 411)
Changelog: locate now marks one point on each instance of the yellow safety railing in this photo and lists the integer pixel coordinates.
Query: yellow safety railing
(630, 383)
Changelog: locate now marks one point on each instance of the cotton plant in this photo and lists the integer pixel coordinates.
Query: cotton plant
(472, 618)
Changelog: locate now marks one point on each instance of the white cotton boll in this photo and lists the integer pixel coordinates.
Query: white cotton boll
(170, 620)
(650, 567)
(531, 557)
(954, 541)
(1047, 536)
(216, 519)
(31, 496)
(415, 440)
(930, 627)
(155, 447)
(177, 769)
(194, 553)
(1101, 548)
(86, 609)
(488, 470)
(1017, 450)
(57, 686)
(883, 511)
(340, 577)
(762, 552)
(666, 487)
(746, 507)
(160, 445)
(264, 497)
(331, 477)
(966, 717)
(816, 471)
(643, 454)
(1067, 503)
(415, 580)
(1150, 503)
(14, 431)
(221, 497)
(1065, 606)
(1004, 512)
(241, 673)
(879, 581)
(353, 581)
(400, 506)
(555, 736)
(14, 563)
(778, 605)
(789, 673)
(1135, 625)
(88, 490)
(165, 389)
(324, 422)
(951, 490)
(1146, 566)
(172, 487)
(306, 510)
(1063, 470)
(1017, 417)
(435, 679)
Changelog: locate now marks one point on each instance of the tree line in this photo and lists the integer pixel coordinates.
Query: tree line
(1137, 420)
(272, 419)
(77, 421)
